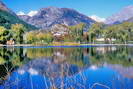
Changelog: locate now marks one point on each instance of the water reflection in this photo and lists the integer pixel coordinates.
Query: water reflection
(66, 68)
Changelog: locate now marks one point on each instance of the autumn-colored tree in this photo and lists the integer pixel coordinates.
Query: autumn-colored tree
(77, 32)
(95, 31)
(2, 31)
(18, 32)
(30, 37)
(48, 37)
(4, 35)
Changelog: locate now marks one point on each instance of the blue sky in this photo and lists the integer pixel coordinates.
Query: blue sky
(102, 8)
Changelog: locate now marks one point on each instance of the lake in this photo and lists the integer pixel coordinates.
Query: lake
(86, 67)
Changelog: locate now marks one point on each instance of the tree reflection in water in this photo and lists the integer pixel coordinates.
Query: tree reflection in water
(60, 66)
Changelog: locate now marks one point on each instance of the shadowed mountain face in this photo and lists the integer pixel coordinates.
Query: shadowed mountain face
(124, 15)
(24, 17)
(47, 17)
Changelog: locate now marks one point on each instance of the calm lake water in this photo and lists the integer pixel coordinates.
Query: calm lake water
(108, 67)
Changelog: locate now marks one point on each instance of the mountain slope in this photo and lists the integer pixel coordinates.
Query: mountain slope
(8, 17)
(47, 17)
(130, 20)
(125, 14)
(4, 8)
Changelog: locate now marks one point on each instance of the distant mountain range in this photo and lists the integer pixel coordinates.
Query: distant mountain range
(47, 17)
(8, 17)
(126, 14)
(130, 20)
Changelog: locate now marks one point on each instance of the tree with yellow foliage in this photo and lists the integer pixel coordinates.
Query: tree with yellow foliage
(18, 32)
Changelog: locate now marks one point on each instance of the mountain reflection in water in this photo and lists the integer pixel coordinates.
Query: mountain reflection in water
(66, 68)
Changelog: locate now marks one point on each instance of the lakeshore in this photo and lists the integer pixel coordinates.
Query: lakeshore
(67, 45)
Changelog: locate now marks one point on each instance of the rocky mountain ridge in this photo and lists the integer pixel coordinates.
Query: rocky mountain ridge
(124, 15)
(47, 17)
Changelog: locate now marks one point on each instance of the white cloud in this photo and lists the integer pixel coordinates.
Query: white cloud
(21, 13)
(98, 19)
(32, 13)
